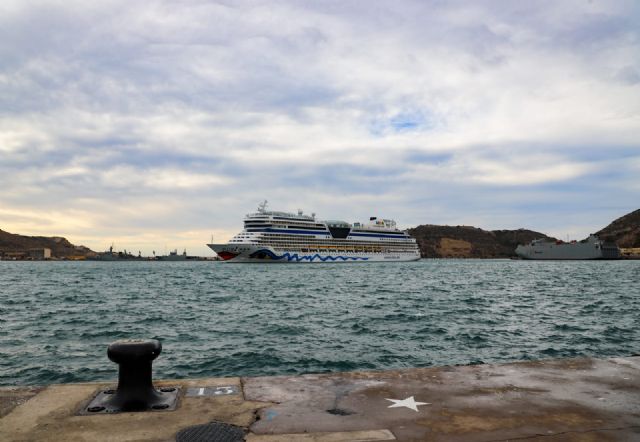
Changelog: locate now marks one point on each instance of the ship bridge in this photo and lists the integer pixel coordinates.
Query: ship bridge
(338, 229)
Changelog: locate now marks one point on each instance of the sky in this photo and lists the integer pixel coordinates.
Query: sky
(155, 125)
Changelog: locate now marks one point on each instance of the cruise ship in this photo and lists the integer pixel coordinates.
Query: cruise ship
(590, 248)
(281, 237)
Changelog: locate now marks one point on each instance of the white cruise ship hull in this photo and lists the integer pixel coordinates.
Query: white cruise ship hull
(244, 253)
(283, 237)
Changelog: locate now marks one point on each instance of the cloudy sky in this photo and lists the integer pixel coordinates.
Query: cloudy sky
(154, 125)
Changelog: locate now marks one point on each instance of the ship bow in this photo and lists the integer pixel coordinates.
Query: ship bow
(222, 250)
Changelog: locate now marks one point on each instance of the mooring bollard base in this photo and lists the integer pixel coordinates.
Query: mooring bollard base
(135, 391)
(106, 402)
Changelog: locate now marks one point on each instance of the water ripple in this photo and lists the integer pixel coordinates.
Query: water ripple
(57, 318)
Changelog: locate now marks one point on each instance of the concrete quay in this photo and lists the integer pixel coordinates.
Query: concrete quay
(549, 400)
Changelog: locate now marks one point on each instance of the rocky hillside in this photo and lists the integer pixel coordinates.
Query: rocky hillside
(625, 231)
(470, 242)
(60, 247)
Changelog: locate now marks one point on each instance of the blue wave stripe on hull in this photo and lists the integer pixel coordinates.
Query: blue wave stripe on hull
(297, 258)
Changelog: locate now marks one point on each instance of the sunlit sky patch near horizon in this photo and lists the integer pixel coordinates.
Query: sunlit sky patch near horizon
(154, 125)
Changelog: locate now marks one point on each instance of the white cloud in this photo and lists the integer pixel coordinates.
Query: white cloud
(506, 167)
(127, 177)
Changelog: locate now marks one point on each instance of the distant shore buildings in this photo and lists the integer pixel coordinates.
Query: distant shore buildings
(37, 254)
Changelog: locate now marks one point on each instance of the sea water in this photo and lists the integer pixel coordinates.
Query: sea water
(221, 319)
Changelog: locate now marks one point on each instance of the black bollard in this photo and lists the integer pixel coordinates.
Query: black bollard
(135, 391)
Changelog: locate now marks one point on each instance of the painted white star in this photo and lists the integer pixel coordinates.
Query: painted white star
(408, 402)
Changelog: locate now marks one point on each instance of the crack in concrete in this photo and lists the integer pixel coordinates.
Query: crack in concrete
(256, 412)
(241, 380)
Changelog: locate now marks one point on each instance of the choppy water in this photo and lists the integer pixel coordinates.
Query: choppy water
(214, 319)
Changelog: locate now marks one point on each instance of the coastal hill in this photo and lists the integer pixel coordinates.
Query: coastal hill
(624, 231)
(60, 247)
(470, 242)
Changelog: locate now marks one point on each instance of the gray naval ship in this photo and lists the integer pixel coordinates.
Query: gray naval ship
(590, 248)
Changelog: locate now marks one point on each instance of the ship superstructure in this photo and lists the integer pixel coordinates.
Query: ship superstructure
(590, 248)
(271, 236)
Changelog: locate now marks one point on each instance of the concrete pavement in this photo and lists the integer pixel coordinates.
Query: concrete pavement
(551, 400)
